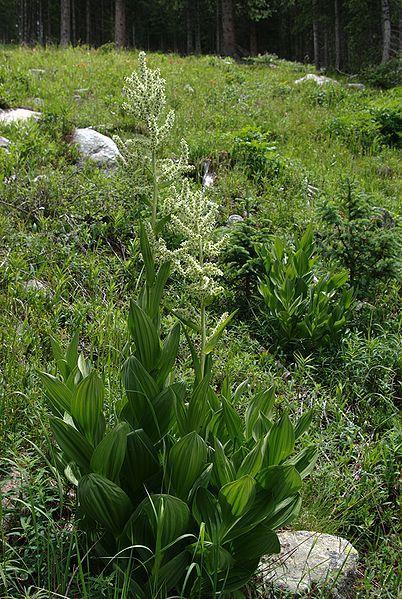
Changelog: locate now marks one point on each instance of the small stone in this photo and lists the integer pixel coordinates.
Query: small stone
(4, 143)
(97, 147)
(17, 115)
(234, 219)
(39, 102)
(311, 560)
(359, 86)
(36, 285)
(37, 72)
(188, 88)
(209, 176)
(318, 79)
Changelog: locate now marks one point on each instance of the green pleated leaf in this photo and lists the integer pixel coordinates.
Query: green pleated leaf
(145, 336)
(213, 340)
(74, 446)
(170, 574)
(281, 441)
(237, 496)
(199, 412)
(252, 462)
(164, 514)
(303, 423)
(304, 461)
(261, 403)
(58, 394)
(239, 575)
(107, 458)
(259, 541)
(280, 481)
(284, 513)
(223, 469)
(140, 388)
(233, 422)
(141, 461)
(87, 404)
(206, 508)
(187, 460)
(157, 418)
(168, 354)
(105, 502)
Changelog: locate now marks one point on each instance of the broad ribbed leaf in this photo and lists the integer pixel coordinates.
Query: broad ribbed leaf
(187, 460)
(280, 481)
(259, 541)
(141, 461)
(58, 394)
(206, 509)
(107, 458)
(168, 354)
(236, 497)
(170, 574)
(166, 514)
(223, 469)
(213, 340)
(281, 441)
(74, 446)
(252, 462)
(303, 423)
(304, 461)
(156, 420)
(105, 502)
(233, 422)
(140, 388)
(286, 511)
(262, 402)
(145, 336)
(198, 412)
(87, 405)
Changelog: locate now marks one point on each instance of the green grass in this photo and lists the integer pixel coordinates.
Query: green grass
(74, 229)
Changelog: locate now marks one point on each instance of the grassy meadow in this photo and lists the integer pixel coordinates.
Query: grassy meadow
(69, 261)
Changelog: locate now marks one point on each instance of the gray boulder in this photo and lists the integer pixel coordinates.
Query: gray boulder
(96, 147)
(359, 86)
(234, 219)
(311, 560)
(17, 115)
(318, 79)
(4, 142)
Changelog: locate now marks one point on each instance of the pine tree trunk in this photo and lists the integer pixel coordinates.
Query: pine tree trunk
(338, 34)
(65, 23)
(189, 26)
(253, 39)
(228, 28)
(218, 27)
(386, 30)
(88, 22)
(73, 24)
(120, 23)
(400, 29)
(316, 35)
(197, 28)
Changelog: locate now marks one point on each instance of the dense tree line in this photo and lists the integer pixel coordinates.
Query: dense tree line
(345, 34)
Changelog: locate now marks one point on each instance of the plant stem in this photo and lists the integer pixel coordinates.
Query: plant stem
(155, 193)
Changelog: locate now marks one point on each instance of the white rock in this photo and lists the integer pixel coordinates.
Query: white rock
(318, 79)
(17, 115)
(234, 219)
(36, 285)
(4, 142)
(37, 72)
(208, 178)
(311, 560)
(97, 147)
(359, 86)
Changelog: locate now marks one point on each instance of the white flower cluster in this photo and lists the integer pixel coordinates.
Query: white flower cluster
(192, 215)
(146, 100)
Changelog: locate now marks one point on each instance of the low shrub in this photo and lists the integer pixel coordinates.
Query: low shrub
(362, 238)
(255, 151)
(300, 308)
(385, 75)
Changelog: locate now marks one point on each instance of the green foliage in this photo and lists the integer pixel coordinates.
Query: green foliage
(385, 75)
(255, 151)
(301, 309)
(182, 485)
(362, 238)
(378, 124)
